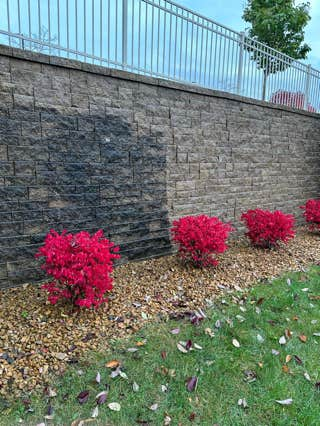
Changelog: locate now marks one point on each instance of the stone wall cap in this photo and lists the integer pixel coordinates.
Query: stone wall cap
(144, 79)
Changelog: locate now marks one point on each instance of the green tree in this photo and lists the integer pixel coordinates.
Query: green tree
(279, 24)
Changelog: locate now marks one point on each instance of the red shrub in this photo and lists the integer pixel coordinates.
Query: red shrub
(200, 237)
(80, 265)
(312, 213)
(266, 229)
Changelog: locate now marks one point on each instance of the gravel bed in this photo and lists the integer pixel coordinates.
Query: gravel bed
(38, 339)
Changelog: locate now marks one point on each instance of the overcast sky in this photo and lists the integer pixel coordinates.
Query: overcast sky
(229, 12)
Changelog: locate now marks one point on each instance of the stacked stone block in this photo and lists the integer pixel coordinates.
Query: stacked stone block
(84, 147)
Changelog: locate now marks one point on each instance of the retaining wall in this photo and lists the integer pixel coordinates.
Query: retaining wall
(87, 147)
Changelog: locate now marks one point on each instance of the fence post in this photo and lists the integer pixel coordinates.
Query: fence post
(124, 32)
(240, 67)
(307, 87)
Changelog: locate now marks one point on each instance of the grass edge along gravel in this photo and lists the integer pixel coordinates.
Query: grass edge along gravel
(255, 347)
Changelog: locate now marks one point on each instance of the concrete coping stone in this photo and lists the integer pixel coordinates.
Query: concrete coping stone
(131, 76)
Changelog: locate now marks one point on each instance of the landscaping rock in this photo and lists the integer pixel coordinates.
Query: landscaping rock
(38, 339)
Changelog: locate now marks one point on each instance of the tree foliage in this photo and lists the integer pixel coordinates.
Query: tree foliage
(280, 25)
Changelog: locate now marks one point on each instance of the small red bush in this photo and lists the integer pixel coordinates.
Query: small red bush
(312, 213)
(266, 229)
(80, 265)
(199, 238)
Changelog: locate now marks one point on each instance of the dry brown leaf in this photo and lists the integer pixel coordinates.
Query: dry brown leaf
(113, 363)
(303, 338)
(287, 333)
(285, 369)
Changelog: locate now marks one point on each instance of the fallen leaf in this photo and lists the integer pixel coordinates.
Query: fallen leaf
(140, 343)
(115, 373)
(297, 359)
(209, 332)
(240, 318)
(49, 415)
(164, 388)
(98, 377)
(135, 387)
(95, 412)
(188, 345)
(260, 338)
(288, 358)
(285, 369)
(303, 338)
(316, 334)
(167, 420)
(289, 281)
(259, 301)
(51, 393)
(242, 403)
(250, 376)
(192, 383)
(123, 375)
(217, 324)
(132, 349)
(101, 397)
(313, 297)
(113, 364)
(284, 401)
(154, 407)
(235, 343)
(195, 345)
(114, 406)
(163, 354)
(282, 340)
(287, 333)
(275, 352)
(175, 331)
(306, 376)
(229, 322)
(83, 397)
(182, 348)
(192, 416)
(171, 372)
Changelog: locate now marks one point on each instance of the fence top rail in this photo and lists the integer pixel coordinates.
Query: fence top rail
(198, 15)
(248, 40)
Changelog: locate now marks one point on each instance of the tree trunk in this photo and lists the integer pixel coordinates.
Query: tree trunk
(264, 88)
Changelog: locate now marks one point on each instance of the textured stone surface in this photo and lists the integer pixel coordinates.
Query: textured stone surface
(85, 147)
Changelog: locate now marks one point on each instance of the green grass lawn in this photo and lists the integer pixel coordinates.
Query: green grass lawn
(225, 373)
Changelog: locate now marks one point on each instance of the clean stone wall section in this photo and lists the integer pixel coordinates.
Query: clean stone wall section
(86, 147)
